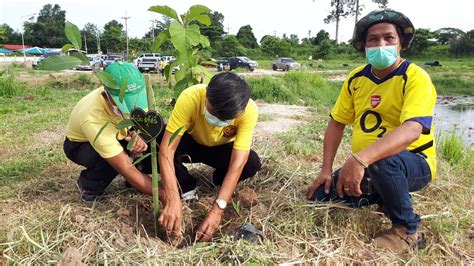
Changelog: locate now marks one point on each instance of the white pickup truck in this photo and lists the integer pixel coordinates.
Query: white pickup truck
(149, 64)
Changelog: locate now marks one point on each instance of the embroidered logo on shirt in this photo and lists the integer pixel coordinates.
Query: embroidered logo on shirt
(230, 131)
(375, 100)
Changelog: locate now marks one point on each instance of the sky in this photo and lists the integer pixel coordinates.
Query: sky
(273, 17)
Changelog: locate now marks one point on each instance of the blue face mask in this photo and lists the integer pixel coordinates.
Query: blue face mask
(214, 121)
(381, 57)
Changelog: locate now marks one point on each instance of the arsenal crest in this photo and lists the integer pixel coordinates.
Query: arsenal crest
(375, 100)
(230, 131)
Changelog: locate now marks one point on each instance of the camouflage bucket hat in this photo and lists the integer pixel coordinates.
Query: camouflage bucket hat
(379, 16)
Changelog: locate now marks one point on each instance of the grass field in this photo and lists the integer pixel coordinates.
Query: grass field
(43, 220)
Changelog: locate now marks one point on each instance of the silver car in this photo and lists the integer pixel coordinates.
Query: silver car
(286, 64)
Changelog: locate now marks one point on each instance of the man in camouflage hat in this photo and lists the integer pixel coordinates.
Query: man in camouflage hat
(390, 103)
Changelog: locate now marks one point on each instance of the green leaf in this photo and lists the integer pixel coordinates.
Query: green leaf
(58, 62)
(141, 158)
(204, 19)
(162, 37)
(100, 131)
(197, 70)
(66, 47)
(204, 41)
(126, 123)
(175, 134)
(165, 10)
(184, 38)
(107, 80)
(196, 11)
(182, 84)
(81, 56)
(123, 87)
(73, 35)
(132, 141)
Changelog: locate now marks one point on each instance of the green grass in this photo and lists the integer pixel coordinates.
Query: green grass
(294, 88)
(9, 85)
(453, 85)
(454, 150)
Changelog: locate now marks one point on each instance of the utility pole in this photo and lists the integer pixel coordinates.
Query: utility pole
(85, 42)
(228, 29)
(126, 30)
(23, 33)
(357, 11)
(98, 42)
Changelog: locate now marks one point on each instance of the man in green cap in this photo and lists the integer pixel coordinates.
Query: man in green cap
(106, 155)
(389, 102)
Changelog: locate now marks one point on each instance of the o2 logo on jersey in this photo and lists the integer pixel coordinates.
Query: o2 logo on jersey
(375, 100)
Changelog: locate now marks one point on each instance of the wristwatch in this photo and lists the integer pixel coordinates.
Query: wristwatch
(221, 204)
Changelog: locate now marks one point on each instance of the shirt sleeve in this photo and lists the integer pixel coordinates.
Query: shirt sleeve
(181, 114)
(106, 143)
(419, 100)
(343, 110)
(244, 137)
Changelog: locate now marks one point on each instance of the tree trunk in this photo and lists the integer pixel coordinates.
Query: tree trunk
(357, 11)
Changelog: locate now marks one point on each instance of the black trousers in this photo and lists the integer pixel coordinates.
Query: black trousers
(99, 174)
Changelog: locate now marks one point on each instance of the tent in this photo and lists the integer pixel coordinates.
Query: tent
(5, 51)
(34, 51)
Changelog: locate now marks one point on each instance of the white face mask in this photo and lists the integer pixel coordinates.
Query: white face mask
(214, 121)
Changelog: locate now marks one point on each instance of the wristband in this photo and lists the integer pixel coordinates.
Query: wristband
(357, 158)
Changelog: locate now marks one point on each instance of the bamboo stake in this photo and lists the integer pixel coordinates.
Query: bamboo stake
(154, 158)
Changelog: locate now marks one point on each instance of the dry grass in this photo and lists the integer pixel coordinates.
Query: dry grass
(45, 218)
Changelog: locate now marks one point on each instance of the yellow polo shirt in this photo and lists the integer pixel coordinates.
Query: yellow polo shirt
(88, 117)
(189, 114)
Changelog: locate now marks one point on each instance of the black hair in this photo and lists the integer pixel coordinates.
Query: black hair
(228, 95)
(397, 28)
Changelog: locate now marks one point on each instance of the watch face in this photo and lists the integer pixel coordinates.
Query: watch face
(221, 203)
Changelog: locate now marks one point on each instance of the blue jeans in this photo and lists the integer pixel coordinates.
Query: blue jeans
(388, 182)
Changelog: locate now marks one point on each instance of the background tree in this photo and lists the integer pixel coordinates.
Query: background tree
(230, 46)
(113, 37)
(340, 9)
(382, 3)
(159, 26)
(246, 37)
(445, 35)
(48, 30)
(89, 33)
(320, 37)
(463, 45)
(9, 36)
(215, 31)
(324, 50)
(275, 46)
(421, 41)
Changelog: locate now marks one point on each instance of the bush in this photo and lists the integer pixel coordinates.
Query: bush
(452, 148)
(9, 86)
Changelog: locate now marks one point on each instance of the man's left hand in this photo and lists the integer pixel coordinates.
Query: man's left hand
(349, 179)
(139, 145)
(210, 225)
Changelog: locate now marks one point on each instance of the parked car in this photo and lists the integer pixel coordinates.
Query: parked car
(110, 59)
(285, 64)
(148, 55)
(149, 64)
(95, 63)
(242, 61)
(168, 58)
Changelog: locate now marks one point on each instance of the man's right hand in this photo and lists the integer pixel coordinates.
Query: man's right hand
(323, 178)
(171, 215)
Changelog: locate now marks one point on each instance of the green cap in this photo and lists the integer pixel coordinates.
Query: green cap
(135, 92)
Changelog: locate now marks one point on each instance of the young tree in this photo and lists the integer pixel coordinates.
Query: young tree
(48, 30)
(113, 37)
(340, 9)
(246, 37)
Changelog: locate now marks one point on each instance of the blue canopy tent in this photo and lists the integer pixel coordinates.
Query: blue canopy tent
(5, 51)
(34, 51)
